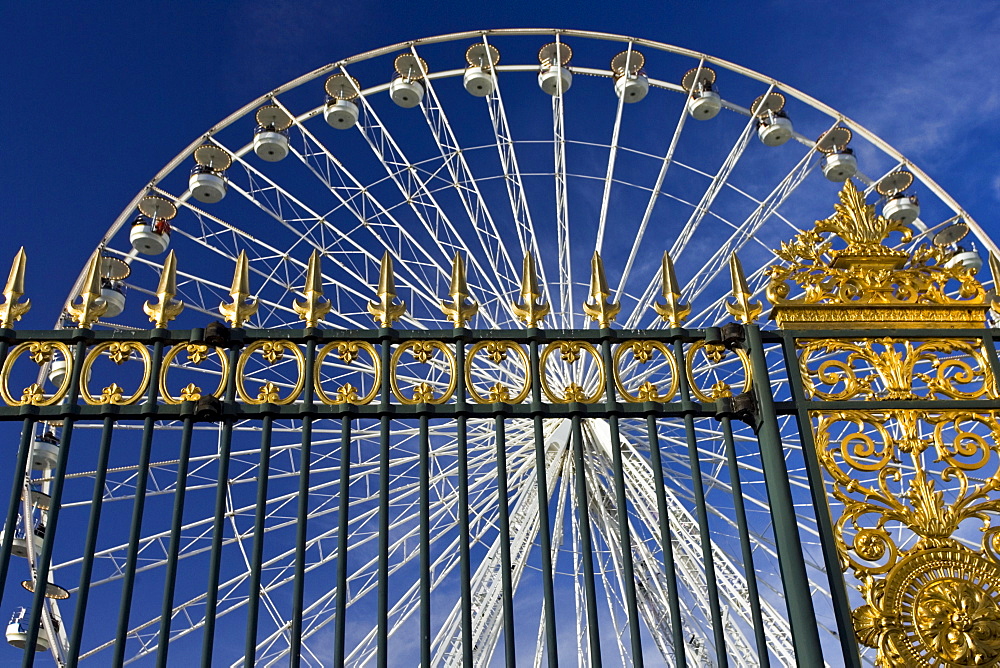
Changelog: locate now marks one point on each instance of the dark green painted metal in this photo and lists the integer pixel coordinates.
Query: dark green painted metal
(424, 531)
(382, 604)
(503, 522)
(746, 548)
(90, 542)
(621, 504)
(586, 544)
(302, 512)
(15, 504)
(257, 549)
(801, 615)
(544, 527)
(343, 516)
(990, 345)
(173, 550)
(821, 507)
(218, 521)
(701, 513)
(462, 445)
(673, 601)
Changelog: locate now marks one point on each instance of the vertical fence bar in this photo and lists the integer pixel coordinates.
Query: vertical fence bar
(218, 521)
(701, 511)
(746, 547)
(503, 519)
(586, 544)
(90, 542)
(257, 550)
(656, 462)
(462, 445)
(176, 522)
(824, 520)
(621, 501)
(544, 526)
(302, 512)
(382, 612)
(138, 508)
(41, 574)
(16, 492)
(791, 563)
(343, 516)
(424, 531)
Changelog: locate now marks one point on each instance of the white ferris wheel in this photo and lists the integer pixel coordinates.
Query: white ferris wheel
(493, 145)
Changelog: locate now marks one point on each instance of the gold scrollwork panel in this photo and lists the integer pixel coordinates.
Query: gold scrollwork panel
(424, 353)
(348, 352)
(34, 394)
(197, 354)
(571, 353)
(891, 368)
(641, 370)
(118, 352)
(497, 352)
(272, 352)
(712, 360)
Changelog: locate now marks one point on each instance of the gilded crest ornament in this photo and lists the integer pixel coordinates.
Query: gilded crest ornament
(742, 307)
(243, 307)
(673, 311)
(166, 308)
(460, 309)
(532, 310)
(12, 310)
(599, 307)
(92, 305)
(386, 311)
(313, 308)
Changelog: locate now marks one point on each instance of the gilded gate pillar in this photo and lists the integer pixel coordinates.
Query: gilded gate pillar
(906, 422)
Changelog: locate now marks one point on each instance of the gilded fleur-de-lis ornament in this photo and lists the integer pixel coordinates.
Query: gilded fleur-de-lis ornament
(12, 310)
(458, 311)
(744, 310)
(995, 270)
(673, 311)
(313, 307)
(92, 306)
(243, 306)
(599, 308)
(385, 311)
(532, 311)
(167, 308)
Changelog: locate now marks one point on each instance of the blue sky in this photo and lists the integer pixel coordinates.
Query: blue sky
(98, 100)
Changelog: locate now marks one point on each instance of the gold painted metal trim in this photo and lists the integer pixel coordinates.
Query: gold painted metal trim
(119, 352)
(497, 351)
(642, 352)
(570, 353)
(271, 351)
(41, 352)
(347, 351)
(716, 353)
(423, 392)
(197, 353)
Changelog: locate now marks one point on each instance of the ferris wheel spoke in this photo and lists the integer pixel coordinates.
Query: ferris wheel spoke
(609, 175)
(565, 258)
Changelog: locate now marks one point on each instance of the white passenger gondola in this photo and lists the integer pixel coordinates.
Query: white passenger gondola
(150, 231)
(554, 77)
(703, 102)
(631, 83)
(478, 77)
(208, 178)
(113, 272)
(960, 256)
(898, 204)
(270, 139)
(17, 632)
(340, 111)
(774, 128)
(406, 89)
(838, 163)
(44, 451)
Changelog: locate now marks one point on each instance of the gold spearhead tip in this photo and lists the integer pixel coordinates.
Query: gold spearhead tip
(313, 308)
(11, 311)
(673, 311)
(384, 311)
(599, 308)
(237, 313)
(532, 311)
(744, 310)
(167, 308)
(995, 271)
(91, 306)
(458, 311)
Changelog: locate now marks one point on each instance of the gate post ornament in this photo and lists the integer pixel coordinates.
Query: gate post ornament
(313, 308)
(167, 307)
(12, 310)
(673, 311)
(92, 306)
(532, 311)
(384, 311)
(243, 306)
(459, 311)
(599, 308)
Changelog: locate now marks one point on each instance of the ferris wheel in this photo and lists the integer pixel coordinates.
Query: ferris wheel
(491, 147)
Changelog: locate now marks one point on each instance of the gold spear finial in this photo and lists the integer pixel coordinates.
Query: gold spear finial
(241, 309)
(11, 311)
(995, 271)
(458, 311)
(167, 308)
(92, 306)
(673, 312)
(314, 307)
(384, 311)
(743, 309)
(532, 311)
(598, 307)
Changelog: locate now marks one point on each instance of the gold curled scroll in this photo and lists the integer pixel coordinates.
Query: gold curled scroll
(715, 353)
(348, 351)
(40, 352)
(497, 352)
(571, 353)
(118, 352)
(642, 353)
(270, 392)
(423, 352)
(197, 353)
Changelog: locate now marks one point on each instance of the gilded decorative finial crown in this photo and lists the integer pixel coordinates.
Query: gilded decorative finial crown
(243, 306)
(384, 311)
(92, 306)
(995, 272)
(313, 307)
(852, 279)
(458, 311)
(599, 308)
(742, 308)
(673, 311)
(12, 310)
(167, 308)
(532, 310)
